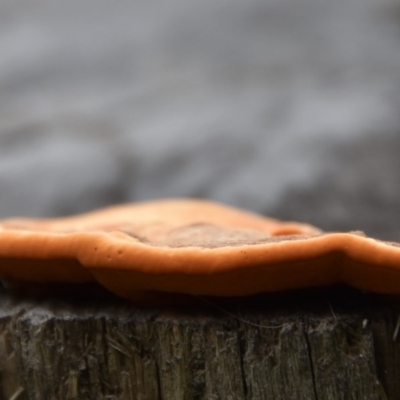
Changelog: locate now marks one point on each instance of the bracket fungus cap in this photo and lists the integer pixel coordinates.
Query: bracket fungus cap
(193, 247)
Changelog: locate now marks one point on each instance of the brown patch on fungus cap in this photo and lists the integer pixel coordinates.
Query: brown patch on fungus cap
(190, 247)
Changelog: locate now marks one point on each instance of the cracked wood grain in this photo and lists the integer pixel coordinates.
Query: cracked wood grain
(274, 347)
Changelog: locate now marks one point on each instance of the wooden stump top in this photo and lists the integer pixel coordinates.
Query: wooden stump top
(334, 343)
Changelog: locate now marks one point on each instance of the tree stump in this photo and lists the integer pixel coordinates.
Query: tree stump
(334, 343)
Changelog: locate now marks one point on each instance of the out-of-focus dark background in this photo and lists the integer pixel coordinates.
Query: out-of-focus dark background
(285, 107)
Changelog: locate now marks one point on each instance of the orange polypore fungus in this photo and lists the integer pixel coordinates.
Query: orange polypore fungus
(191, 247)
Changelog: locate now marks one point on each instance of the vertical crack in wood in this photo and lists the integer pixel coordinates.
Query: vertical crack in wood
(241, 348)
(385, 357)
(305, 324)
(158, 382)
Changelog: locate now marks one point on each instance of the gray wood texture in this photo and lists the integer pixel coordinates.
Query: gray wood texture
(318, 344)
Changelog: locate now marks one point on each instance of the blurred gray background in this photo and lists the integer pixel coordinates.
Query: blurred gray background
(286, 107)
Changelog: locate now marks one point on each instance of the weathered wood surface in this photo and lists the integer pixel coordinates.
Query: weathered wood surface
(330, 344)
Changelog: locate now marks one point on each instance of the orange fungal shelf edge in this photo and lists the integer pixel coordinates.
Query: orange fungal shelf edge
(191, 247)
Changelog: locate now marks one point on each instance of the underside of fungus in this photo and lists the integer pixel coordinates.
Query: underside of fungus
(190, 247)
